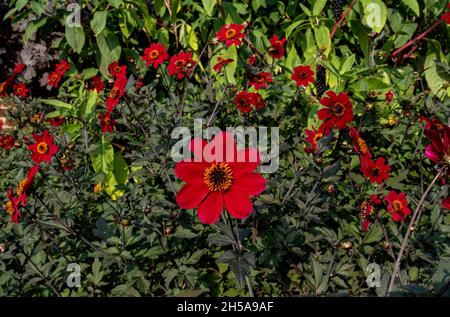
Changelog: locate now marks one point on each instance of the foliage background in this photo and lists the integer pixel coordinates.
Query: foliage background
(303, 238)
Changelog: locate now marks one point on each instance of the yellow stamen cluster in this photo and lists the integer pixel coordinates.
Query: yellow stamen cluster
(218, 177)
(42, 148)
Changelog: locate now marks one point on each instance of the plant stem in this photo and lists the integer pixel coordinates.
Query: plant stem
(408, 231)
(418, 38)
(343, 16)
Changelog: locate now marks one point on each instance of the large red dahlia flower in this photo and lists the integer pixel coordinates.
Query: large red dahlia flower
(303, 75)
(231, 34)
(397, 205)
(181, 64)
(376, 172)
(155, 55)
(219, 177)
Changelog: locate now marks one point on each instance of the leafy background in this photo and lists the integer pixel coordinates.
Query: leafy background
(304, 237)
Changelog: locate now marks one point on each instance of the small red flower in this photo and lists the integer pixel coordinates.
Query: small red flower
(446, 15)
(276, 50)
(116, 92)
(219, 177)
(221, 61)
(56, 121)
(26, 183)
(303, 75)
(434, 124)
(376, 172)
(155, 55)
(12, 206)
(259, 80)
(96, 83)
(397, 205)
(313, 136)
(7, 142)
(19, 68)
(44, 147)
(139, 83)
(243, 102)
(231, 34)
(181, 65)
(389, 96)
(446, 203)
(116, 71)
(53, 79)
(439, 149)
(106, 122)
(20, 90)
(338, 111)
(251, 59)
(359, 144)
(367, 208)
(62, 67)
(257, 100)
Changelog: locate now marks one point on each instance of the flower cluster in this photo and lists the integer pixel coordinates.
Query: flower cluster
(54, 77)
(19, 89)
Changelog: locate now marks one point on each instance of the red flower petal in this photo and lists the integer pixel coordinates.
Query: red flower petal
(191, 195)
(250, 183)
(189, 171)
(237, 203)
(211, 208)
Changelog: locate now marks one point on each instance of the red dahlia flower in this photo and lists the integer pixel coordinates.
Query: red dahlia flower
(439, 149)
(12, 206)
(276, 50)
(231, 34)
(115, 70)
(257, 100)
(359, 144)
(44, 148)
(116, 92)
(221, 61)
(53, 79)
(26, 183)
(181, 65)
(303, 75)
(314, 136)
(219, 177)
(56, 121)
(260, 80)
(62, 67)
(389, 96)
(96, 83)
(20, 90)
(338, 111)
(7, 142)
(245, 100)
(446, 16)
(19, 68)
(376, 172)
(106, 122)
(155, 55)
(397, 205)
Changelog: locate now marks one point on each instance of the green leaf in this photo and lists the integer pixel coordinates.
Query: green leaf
(375, 234)
(32, 28)
(434, 80)
(375, 14)
(292, 26)
(75, 37)
(347, 64)
(292, 59)
(110, 50)
(57, 103)
(318, 7)
(370, 84)
(230, 69)
(103, 157)
(115, 3)
(98, 22)
(322, 35)
(413, 5)
(208, 5)
(120, 169)
(183, 233)
(88, 73)
(90, 104)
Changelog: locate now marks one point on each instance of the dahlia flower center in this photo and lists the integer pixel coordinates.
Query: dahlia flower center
(362, 145)
(21, 186)
(114, 93)
(258, 79)
(9, 208)
(42, 148)
(337, 109)
(154, 54)
(179, 63)
(365, 209)
(117, 69)
(375, 171)
(303, 75)
(218, 177)
(397, 205)
(317, 136)
(54, 77)
(106, 121)
(230, 33)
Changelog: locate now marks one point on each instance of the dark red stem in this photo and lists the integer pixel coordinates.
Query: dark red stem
(344, 15)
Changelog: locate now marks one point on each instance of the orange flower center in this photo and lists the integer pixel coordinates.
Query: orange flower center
(230, 33)
(42, 148)
(375, 171)
(258, 79)
(19, 90)
(114, 93)
(362, 146)
(397, 205)
(365, 209)
(117, 69)
(317, 136)
(9, 208)
(154, 54)
(179, 63)
(54, 77)
(218, 177)
(337, 109)
(21, 186)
